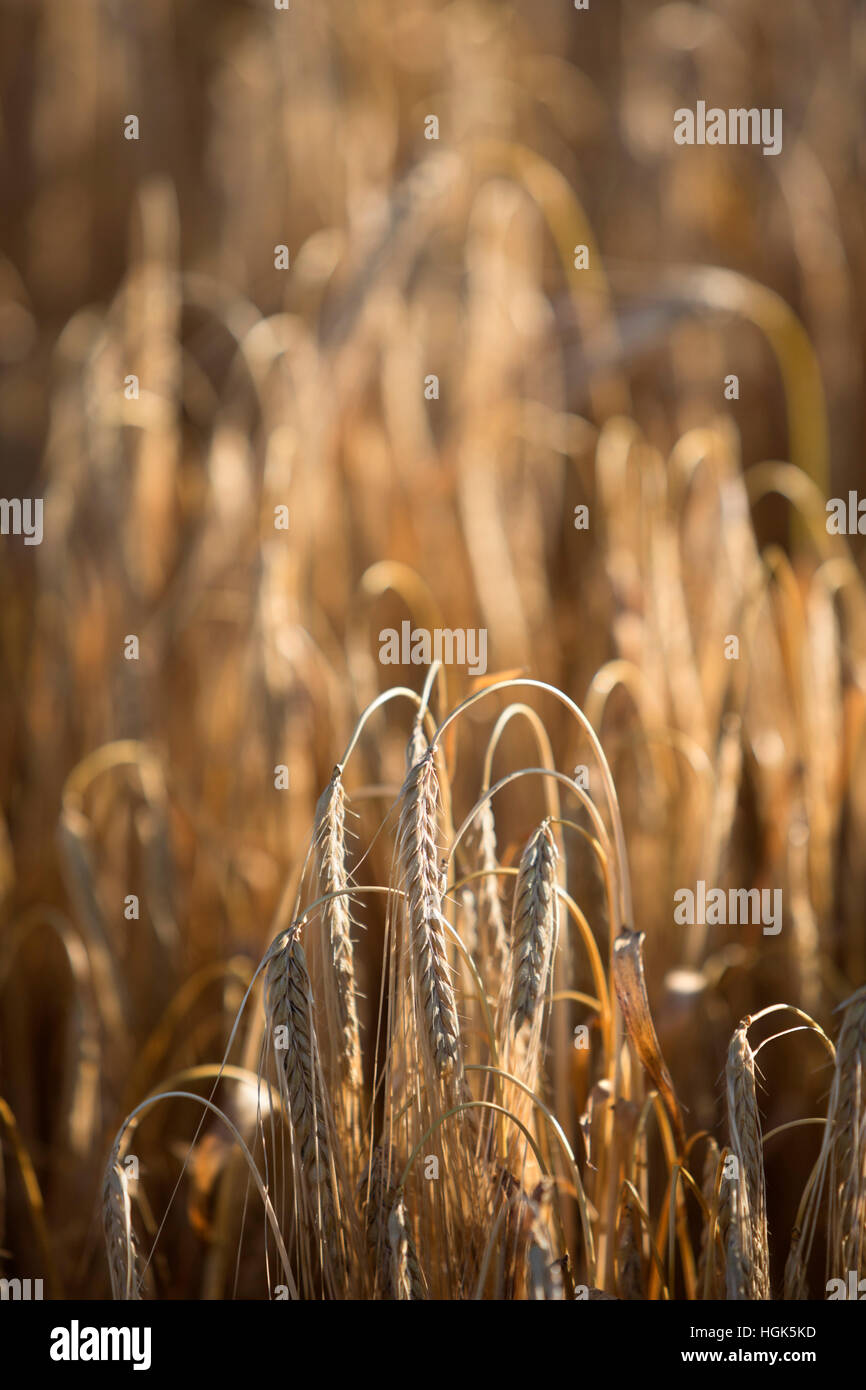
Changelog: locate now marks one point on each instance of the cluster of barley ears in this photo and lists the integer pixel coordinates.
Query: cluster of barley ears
(454, 1151)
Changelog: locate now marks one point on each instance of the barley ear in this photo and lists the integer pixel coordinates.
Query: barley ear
(419, 872)
(330, 840)
(533, 925)
(120, 1241)
(748, 1228)
(291, 1021)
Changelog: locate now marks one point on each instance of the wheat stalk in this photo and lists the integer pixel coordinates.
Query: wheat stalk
(847, 1121)
(740, 1273)
(630, 1280)
(120, 1241)
(407, 1279)
(543, 1269)
(417, 744)
(330, 838)
(492, 931)
(398, 1275)
(419, 873)
(842, 1158)
(709, 1252)
(747, 1234)
(533, 924)
(289, 1007)
(795, 1287)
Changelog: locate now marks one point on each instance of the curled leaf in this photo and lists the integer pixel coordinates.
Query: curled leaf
(632, 995)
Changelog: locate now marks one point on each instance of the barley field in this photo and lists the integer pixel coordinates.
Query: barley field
(432, 742)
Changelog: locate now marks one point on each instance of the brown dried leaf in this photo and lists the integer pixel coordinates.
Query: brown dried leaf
(632, 995)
